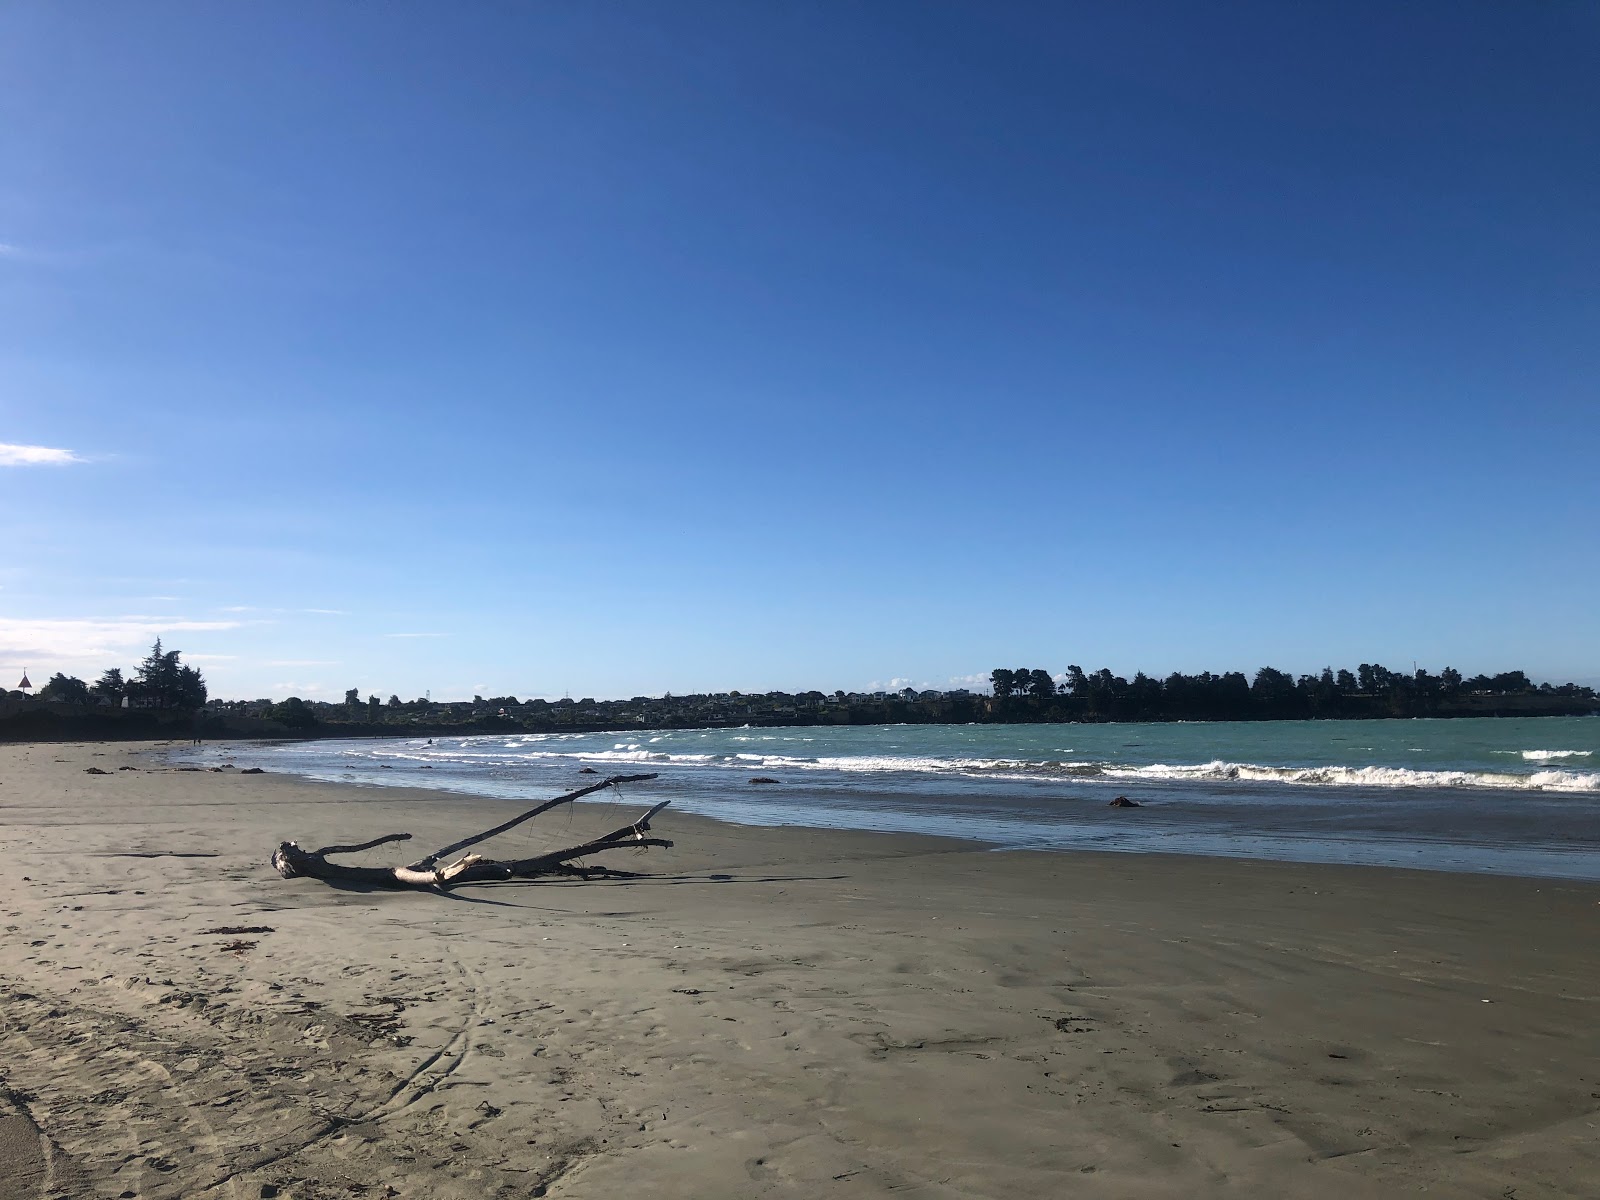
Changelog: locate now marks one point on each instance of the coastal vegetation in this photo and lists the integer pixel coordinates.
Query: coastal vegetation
(1372, 690)
(161, 681)
(160, 695)
(164, 696)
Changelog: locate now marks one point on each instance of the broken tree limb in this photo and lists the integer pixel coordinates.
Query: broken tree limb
(530, 814)
(628, 835)
(292, 861)
(377, 841)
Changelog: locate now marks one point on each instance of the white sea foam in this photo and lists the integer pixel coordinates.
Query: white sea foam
(921, 766)
(1369, 777)
(558, 747)
(1214, 771)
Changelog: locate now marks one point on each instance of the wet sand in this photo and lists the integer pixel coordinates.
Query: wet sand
(769, 1012)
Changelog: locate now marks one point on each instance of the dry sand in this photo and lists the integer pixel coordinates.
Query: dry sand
(771, 1013)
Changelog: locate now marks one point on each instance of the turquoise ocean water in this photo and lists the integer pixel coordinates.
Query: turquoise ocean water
(1512, 796)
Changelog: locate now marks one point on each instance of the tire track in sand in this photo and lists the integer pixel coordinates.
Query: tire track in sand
(454, 1054)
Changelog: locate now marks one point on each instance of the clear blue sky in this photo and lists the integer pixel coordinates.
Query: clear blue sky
(626, 348)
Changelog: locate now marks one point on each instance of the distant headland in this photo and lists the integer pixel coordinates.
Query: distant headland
(164, 698)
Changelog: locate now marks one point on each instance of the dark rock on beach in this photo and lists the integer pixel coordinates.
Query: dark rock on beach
(1124, 802)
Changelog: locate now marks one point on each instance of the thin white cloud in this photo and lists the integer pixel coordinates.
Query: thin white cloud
(969, 681)
(14, 454)
(415, 635)
(256, 608)
(897, 684)
(60, 643)
(302, 662)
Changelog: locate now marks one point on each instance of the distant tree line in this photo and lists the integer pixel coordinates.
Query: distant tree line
(162, 680)
(1020, 695)
(163, 690)
(1372, 690)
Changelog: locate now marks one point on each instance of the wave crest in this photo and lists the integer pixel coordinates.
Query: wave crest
(1024, 770)
(1368, 777)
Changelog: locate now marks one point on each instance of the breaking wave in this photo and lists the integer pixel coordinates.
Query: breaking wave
(1022, 770)
(1366, 777)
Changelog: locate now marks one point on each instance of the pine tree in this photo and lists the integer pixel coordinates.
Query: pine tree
(163, 681)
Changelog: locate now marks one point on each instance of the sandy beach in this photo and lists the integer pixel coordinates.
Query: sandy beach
(770, 1012)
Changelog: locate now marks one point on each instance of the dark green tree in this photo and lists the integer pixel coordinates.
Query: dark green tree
(1230, 693)
(111, 686)
(1510, 682)
(1077, 681)
(192, 690)
(163, 681)
(67, 689)
(1273, 690)
(294, 713)
(1002, 681)
(1143, 698)
(154, 679)
(1040, 685)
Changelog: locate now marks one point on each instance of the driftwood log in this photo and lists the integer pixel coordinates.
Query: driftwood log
(291, 861)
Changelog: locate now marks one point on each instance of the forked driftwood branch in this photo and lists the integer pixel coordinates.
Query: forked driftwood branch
(290, 861)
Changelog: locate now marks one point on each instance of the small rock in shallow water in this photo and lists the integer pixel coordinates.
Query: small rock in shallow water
(1124, 802)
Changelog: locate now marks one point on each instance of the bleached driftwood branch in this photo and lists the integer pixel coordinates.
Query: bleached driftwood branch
(291, 861)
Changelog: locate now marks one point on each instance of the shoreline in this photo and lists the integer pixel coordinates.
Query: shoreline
(1456, 828)
(47, 722)
(766, 1012)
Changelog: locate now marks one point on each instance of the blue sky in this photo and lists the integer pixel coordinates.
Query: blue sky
(630, 348)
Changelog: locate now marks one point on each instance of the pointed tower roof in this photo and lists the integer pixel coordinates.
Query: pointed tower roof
(24, 686)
